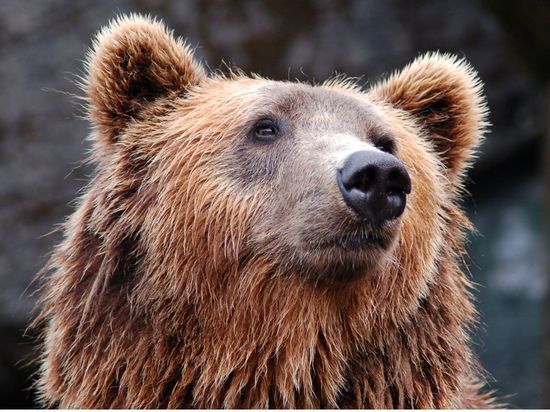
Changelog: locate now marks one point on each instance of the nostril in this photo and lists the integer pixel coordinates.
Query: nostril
(398, 181)
(362, 179)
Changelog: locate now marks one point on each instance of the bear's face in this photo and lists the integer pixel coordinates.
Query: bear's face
(218, 172)
(288, 151)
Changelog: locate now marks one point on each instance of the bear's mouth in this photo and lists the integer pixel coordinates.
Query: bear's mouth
(342, 256)
(351, 242)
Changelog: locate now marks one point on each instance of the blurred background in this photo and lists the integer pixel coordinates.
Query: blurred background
(42, 44)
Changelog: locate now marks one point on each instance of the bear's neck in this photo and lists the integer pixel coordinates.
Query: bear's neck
(277, 350)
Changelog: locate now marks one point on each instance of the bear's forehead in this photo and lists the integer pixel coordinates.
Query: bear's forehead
(319, 104)
(297, 96)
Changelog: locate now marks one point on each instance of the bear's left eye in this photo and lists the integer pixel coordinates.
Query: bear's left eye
(265, 130)
(385, 144)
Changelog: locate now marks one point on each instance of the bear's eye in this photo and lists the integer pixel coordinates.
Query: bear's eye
(385, 144)
(265, 130)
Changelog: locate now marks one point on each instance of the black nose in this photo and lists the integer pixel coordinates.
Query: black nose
(375, 185)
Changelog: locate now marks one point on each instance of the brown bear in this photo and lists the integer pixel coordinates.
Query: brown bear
(255, 243)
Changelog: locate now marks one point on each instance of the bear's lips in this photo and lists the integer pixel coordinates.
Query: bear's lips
(352, 242)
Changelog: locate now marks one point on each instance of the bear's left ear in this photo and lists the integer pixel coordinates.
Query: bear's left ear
(444, 94)
(134, 61)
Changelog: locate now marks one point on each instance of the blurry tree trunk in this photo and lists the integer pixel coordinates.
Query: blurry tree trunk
(526, 23)
(546, 210)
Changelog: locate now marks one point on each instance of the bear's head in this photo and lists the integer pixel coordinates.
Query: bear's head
(250, 213)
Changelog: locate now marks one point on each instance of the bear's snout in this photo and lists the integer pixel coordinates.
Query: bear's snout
(375, 185)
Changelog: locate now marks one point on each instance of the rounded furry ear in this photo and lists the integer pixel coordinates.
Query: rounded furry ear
(134, 60)
(444, 94)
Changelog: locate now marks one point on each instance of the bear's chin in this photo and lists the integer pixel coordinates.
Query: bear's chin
(335, 267)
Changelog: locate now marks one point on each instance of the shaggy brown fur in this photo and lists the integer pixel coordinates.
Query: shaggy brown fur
(193, 273)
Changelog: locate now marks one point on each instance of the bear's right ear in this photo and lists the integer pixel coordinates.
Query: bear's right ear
(133, 61)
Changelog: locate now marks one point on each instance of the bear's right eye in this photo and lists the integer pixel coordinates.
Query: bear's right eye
(265, 130)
